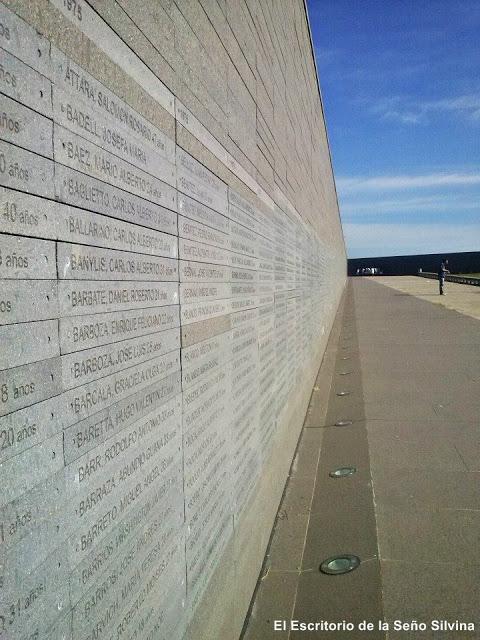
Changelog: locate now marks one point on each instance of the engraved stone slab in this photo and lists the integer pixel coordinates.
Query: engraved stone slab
(61, 629)
(116, 49)
(237, 215)
(91, 398)
(25, 171)
(243, 316)
(205, 447)
(23, 429)
(129, 573)
(193, 333)
(150, 510)
(89, 193)
(91, 124)
(200, 571)
(91, 432)
(128, 493)
(29, 383)
(22, 83)
(266, 270)
(38, 598)
(198, 182)
(84, 332)
(196, 396)
(77, 298)
(199, 232)
(166, 616)
(211, 414)
(131, 606)
(34, 465)
(205, 533)
(244, 288)
(145, 453)
(25, 258)
(266, 299)
(245, 373)
(81, 87)
(266, 260)
(206, 456)
(85, 227)
(243, 337)
(197, 211)
(198, 252)
(25, 300)
(79, 154)
(21, 40)
(84, 366)
(80, 262)
(24, 214)
(25, 128)
(197, 292)
(242, 240)
(22, 343)
(204, 310)
(203, 272)
(241, 210)
(241, 303)
(240, 261)
(31, 522)
(117, 466)
(244, 275)
(202, 358)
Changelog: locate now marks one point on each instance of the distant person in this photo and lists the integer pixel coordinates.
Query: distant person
(442, 272)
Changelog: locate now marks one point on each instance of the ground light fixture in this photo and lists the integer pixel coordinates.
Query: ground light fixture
(342, 472)
(345, 373)
(336, 565)
(343, 423)
(343, 393)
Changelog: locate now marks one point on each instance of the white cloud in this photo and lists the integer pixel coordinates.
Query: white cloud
(403, 182)
(405, 239)
(427, 204)
(407, 110)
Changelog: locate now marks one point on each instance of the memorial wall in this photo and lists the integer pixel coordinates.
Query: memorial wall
(171, 260)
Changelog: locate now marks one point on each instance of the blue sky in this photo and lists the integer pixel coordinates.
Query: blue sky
(400, 83)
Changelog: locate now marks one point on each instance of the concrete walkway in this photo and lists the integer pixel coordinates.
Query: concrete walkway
(459, 297)
(411, 512)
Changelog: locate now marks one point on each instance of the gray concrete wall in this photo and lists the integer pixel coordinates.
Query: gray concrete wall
(171, 260)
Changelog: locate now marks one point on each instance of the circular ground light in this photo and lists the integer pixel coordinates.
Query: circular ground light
(343, 423)
(345, 373)
(336, 565)
(346, 357)
(342, 472)
(343, 393)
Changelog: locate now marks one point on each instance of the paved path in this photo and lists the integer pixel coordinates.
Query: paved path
(411, 512)
(463, 298)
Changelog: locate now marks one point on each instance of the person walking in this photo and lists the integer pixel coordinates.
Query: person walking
(442, 271)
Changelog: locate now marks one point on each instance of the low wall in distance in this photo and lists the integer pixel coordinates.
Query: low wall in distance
(171, 260)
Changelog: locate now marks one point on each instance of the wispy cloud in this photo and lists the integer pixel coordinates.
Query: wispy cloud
(407, 110)
(398, 109)
(399, 239)
(468, 105)
(403, 182)
(417, 205)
